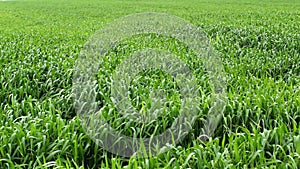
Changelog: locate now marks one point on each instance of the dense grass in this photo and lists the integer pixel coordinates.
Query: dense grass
(258, 42)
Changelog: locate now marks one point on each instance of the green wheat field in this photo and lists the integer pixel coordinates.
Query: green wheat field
(257, 41)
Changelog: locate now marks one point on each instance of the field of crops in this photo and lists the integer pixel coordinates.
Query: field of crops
(258, 43)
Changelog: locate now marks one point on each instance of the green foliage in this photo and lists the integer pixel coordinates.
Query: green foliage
(258, 42)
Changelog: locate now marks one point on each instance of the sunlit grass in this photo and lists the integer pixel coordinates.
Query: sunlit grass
(258, 43)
